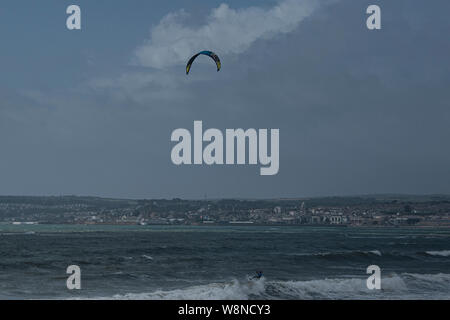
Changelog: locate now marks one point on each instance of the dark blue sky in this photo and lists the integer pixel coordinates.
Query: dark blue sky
(90, 112)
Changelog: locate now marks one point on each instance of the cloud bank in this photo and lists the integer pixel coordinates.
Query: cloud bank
(226, 31)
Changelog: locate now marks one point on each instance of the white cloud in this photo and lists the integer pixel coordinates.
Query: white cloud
(226, 31)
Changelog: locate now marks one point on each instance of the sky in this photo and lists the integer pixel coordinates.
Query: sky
(91, 112)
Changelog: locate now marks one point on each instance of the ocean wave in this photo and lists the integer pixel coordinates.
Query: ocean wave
(404, 286)
(234, 290)
(442, 253)
(437, 278)
(350, 253)
(17, 233)
(340, 253)
(352, 288)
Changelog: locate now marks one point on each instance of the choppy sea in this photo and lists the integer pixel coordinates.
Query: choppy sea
(209, 262)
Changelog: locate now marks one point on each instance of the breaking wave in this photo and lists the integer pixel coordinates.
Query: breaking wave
(442, 253)
(404, 286)
(341, 254)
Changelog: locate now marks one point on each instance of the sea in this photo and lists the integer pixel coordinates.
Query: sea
(217, 262)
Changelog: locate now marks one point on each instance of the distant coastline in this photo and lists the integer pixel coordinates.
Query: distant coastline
(354, 211)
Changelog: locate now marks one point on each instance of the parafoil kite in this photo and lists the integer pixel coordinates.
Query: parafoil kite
(210, 54)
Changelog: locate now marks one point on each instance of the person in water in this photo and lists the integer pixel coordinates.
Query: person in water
(258, 275)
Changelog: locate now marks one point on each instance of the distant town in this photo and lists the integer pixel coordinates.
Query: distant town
(379, 210)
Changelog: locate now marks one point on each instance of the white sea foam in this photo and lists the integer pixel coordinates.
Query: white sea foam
(438, 281)
(352, 288)
(340, 253)
(404, 286)
(442, 253)
(215, 291)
